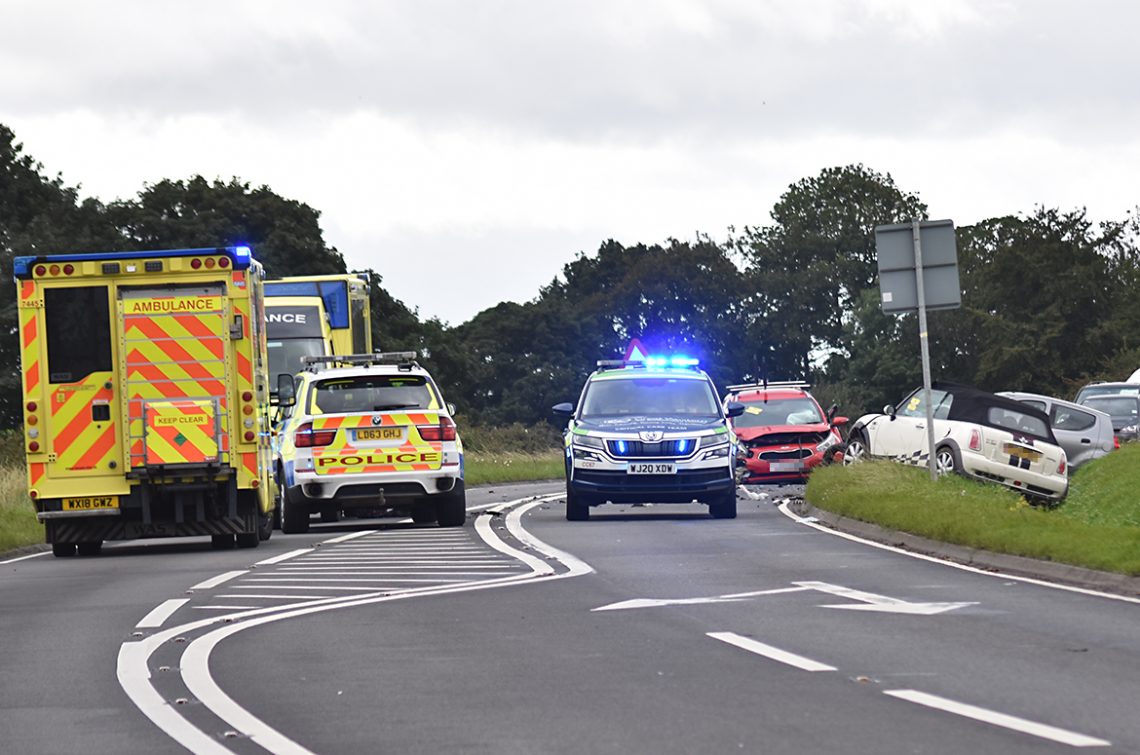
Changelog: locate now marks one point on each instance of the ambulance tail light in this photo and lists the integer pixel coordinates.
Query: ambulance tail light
(445, 430)
(306, 437)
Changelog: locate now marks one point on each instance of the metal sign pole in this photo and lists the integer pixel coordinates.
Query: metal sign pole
(924, 342)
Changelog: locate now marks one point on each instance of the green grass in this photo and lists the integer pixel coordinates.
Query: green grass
(486, 468)
(18, 525)
(1097, 526)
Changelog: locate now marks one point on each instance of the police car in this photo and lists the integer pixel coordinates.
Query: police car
(373, 434)
(649, 430)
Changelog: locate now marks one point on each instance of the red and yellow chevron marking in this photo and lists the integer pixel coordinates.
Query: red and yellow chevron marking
(371, 457)
(175, 349)
(36, 471)
(80, 443)
(180, 432)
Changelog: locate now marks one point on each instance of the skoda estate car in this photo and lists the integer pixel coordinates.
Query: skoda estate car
(976, 433)
(649, 431)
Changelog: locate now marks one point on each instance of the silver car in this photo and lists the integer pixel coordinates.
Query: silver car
(1085, 433)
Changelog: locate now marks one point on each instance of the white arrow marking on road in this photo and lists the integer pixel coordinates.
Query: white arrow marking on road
(869, 601)
(732, 598)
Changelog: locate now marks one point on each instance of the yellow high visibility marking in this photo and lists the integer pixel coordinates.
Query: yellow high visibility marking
(172, 305)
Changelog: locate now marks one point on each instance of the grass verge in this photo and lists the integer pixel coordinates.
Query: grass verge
(486, 468)
(1097, 526)
(18, 525)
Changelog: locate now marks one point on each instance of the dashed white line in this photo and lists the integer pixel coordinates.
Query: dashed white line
(772, 653)
(1025, 726)
(162, 612)
(215, 581)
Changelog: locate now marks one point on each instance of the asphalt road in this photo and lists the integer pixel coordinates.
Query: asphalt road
(648, 629)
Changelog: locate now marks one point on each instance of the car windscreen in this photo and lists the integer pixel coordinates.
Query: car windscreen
(372, 393)
(651, 396)
(775, 412)
(285, 355)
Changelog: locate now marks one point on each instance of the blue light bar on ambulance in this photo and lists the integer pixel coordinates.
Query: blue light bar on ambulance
(240, 257)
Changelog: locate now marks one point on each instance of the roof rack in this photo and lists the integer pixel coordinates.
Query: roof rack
(402, 358)
(765, 385)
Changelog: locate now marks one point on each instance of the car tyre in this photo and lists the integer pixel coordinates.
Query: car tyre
(221, 542)
(451, 507)
(723, 506)
(294, 514)
(424, 513)
(577, 509)
(946, 461)
(857, 449)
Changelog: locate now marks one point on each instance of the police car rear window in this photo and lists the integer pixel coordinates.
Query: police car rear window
(373, 393)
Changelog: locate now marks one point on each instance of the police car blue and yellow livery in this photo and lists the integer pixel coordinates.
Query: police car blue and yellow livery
(371, 432)
(649, 431)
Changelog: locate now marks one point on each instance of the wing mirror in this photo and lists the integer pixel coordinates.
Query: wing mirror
(889, 410)
(734, 408)
(564, 409)
(286, 392)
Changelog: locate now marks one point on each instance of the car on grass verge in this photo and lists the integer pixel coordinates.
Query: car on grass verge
(373, 434)
(976, 433)
(1124, 411)
(1085, 433)
(649, 431)
(782, 433)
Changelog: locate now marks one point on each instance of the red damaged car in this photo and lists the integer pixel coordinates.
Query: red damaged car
(783, 433)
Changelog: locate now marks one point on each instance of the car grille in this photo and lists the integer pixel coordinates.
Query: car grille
(799, 453)
(634, 449)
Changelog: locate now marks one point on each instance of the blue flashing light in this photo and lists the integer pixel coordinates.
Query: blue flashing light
(680, 361)
(242, 253)
(621, 447)
(683, 446)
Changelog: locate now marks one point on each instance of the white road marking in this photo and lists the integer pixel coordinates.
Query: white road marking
(349, 536)
(215, 581)
(25, 558)
(785, 509)
(134, 675)
(279, 596)
(655, 603)
(222, 608)
(772, 653)
(161, 613)
(872, 602)
(1003, 720)
(284, 557)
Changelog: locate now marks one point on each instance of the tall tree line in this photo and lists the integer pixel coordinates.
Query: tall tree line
(1049, 299)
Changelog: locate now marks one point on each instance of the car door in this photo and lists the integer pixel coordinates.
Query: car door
(904, 435)
(1081, 433)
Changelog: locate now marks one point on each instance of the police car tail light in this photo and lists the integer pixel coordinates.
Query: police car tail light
(306, 437)
(445, 430)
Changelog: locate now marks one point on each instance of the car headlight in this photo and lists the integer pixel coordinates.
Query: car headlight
(1130, 430)
(828, 443)
(714, 441)
(588, 441)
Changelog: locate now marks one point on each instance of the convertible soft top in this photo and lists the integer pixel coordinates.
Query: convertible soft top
(974, 405)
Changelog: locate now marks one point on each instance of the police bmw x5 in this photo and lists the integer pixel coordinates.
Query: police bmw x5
(374, 434)
(649, 431)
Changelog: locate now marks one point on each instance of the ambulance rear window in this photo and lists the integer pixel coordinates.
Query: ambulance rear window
(373, 393)
(78, 325)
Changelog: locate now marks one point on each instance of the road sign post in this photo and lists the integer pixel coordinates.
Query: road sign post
(910, 283)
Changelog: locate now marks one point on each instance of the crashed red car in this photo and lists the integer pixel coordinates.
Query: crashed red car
(783, 433)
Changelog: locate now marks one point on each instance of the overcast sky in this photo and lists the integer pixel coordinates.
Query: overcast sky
(468, 149)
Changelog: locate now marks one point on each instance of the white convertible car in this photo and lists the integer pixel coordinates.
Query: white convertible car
(976, 433)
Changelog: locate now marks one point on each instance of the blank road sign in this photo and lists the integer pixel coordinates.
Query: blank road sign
(894, 245)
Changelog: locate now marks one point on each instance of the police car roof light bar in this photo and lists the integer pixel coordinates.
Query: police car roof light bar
(769, 384)
(380, 357)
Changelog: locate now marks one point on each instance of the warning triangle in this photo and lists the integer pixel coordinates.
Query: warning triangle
(635, 351)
